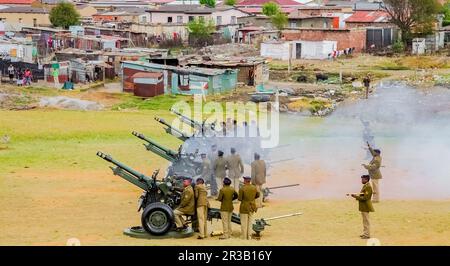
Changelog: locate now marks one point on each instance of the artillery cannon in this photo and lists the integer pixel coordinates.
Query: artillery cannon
(157, 201)
(161, 197)
(260, 224)
(268, 190)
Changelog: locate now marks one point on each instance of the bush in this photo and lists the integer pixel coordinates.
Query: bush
(398, 47)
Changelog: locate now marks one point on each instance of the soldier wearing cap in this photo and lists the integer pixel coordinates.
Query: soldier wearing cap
(374, 171)
(212, 156)
(258, 176)
(235, 168)
(187, 204)
(365, 205)
(220, 168)
(247, 196)
(226, 196)
(206, 174)
(202, 206)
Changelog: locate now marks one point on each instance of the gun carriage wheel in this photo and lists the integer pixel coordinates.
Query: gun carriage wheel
(157, 218)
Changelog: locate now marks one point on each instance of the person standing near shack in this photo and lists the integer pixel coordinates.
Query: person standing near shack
(374, 171)
(258, 177)
(55, 75)
(186, 206)
(235, 168)
(247, 196)
(27, 77)
(11, 72)
(366, 82)
(226, 196)
(365, 205)
(202, 204)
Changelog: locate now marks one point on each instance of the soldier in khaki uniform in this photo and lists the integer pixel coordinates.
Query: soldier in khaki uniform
(187, 204)
(235, 168)
(247, 196)
(258, 177)
(365, 205)
(202, 204)
(220, 168)
(206, 174)
(226, 196)
(374, 171)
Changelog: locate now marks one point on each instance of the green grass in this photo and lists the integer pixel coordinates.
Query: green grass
(55, 139)
(162, 102)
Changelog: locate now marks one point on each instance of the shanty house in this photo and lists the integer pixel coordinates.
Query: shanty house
(298, 49)
(181, 80)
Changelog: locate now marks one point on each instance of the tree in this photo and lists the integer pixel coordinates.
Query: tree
(270, 9)
(200, 31)
(199, 27)
(230, 2)
(279, 20)
(446, 13)
(64, 15)
(208, 3)
(412, 17)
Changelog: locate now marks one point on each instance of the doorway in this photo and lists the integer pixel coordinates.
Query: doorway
(298, 51)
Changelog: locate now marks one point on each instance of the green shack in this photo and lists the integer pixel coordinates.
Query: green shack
(182, 80)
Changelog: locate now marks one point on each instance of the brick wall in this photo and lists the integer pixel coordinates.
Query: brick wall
(345, 38)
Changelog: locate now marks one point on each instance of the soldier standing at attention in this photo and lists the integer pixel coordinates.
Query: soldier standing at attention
(235, 168)
(202, 205)
(212, 159)
(365, 205)
(258, 177)
(206, 170)
(226, 196)
(220, 168)
(374, 171)
(187, 204)
(247, 196)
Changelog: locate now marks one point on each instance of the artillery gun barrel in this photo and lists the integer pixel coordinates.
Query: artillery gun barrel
(283, 216)
(166, 153)
(280, 161)
(187, 120)
(126, 172)
(170, 129)
(293, 185)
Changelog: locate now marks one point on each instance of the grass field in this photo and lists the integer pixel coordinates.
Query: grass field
(53, 187)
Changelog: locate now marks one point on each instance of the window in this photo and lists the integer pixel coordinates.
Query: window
(169, 19)
(219, 20)
(191, 18)
(34, 22)
(233, 20)
(201, 17)
(184, 80)
(179, 19)
(20, 20)
(293, 24)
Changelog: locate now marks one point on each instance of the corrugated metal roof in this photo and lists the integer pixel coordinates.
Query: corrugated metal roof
(262, 2)
(368, 16)
(191, 70)
(24, 9)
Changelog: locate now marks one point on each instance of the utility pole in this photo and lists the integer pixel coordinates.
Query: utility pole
(290, 58)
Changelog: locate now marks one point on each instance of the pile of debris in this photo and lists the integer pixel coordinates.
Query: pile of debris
(62, 102)
(229, 49)
(16, 101)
